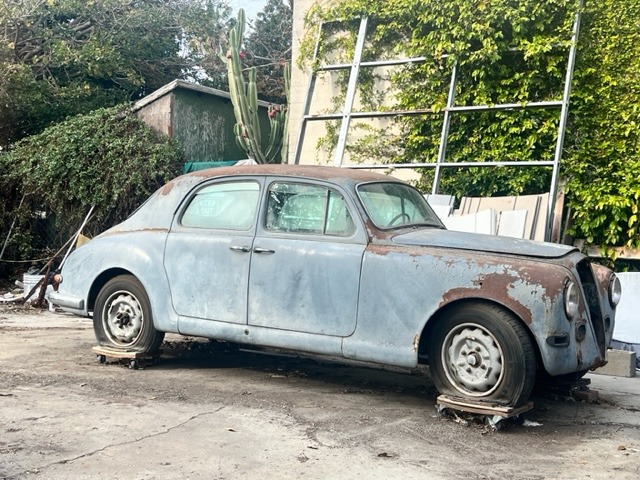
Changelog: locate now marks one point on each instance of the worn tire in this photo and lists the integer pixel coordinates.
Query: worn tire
(481, 352)
(122, 317)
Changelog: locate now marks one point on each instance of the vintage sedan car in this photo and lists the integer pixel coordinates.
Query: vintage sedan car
(348, 264)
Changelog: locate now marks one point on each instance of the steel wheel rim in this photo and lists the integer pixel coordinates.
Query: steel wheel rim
(473, 360)
(123, 318)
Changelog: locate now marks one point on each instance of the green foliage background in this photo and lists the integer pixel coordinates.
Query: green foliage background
(64, 57)
(515, 52)
(109, 159)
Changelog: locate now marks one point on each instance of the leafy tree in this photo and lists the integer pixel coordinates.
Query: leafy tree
(206, 37)
(515, 51)
(268, 47)
(63, 57)
(109, 159)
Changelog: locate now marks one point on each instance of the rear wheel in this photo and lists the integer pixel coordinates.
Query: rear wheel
(481, 352)
(122, 317)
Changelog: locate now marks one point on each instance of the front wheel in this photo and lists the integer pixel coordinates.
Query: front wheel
(122, 317)
(482, 353)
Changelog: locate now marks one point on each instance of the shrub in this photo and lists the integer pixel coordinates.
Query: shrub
(109, 159)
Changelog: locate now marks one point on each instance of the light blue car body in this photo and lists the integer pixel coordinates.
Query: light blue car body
(371, 296)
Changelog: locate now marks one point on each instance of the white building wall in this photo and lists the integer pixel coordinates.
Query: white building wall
(299, 83)
(326, 89)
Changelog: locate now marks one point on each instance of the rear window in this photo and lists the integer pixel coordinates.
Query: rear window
(229, 206)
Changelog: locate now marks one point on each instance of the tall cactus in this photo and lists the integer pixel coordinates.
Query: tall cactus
(244, 97)
(284, 151)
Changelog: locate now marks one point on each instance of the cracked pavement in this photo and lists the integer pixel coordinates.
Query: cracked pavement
(203, 413)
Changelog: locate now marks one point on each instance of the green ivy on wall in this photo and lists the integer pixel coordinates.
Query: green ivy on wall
(603, 152)
(514, 52)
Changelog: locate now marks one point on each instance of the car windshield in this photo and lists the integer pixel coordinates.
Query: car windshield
(394, 205)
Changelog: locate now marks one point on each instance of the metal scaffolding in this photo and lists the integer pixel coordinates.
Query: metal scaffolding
(348, 114)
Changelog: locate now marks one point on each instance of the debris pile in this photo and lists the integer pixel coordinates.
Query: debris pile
(34, 289)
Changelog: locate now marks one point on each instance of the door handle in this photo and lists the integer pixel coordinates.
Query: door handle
(237, 248)
(263, 250)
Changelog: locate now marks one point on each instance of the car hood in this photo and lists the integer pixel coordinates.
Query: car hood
(433, 237)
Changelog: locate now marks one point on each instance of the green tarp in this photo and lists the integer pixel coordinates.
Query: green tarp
(195, 166)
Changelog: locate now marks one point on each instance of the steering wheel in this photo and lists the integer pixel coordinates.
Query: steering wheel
(398, 217)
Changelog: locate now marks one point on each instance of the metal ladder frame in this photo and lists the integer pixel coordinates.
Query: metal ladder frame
(348, 114)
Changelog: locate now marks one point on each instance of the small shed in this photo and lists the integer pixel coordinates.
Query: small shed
(200, 118)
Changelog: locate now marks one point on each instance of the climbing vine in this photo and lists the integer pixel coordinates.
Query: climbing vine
(513, 52)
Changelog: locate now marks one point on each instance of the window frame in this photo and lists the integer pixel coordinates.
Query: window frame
(329, 191)
(436, 224)
(189, 199)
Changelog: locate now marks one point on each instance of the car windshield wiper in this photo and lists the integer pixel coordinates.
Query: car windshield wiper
(415, 226)
(435, 225)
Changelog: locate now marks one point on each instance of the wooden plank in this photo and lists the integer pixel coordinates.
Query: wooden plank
(532, 204)
(464, 208)
(113, 353)
(536, 205)
(439, 199)
(443, 211)
(556, 227)
(540, 226)
(482, 408)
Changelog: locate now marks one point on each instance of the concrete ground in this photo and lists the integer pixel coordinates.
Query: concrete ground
(620, 391)
(203, 413)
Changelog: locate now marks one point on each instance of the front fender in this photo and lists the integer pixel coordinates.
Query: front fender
(405, 289)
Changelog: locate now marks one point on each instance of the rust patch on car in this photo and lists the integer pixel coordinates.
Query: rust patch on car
(167, 188)
(598, 362)
(384, 249)
(468, 293)
(579, 358)
(494, 287)
(372, 232)
(305, 171)
(416, 342)
(379, 249)
(600, 272)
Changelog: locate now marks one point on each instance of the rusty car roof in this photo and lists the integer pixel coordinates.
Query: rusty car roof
(339, 175)
(157, 214)
(158, 211)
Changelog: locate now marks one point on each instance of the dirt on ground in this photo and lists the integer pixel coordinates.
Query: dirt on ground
(206, 411)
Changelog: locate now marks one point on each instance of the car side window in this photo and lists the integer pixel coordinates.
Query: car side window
(308, 209)
(230, 206)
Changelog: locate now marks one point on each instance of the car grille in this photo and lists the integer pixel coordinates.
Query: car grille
(590, 291)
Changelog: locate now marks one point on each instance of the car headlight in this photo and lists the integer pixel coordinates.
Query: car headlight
(571, 299)
(615, 290)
